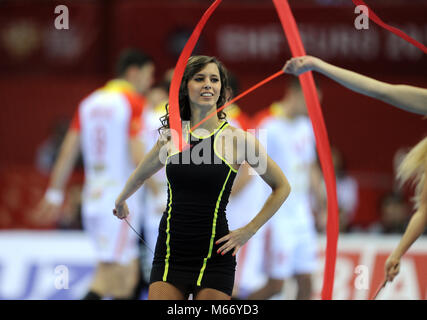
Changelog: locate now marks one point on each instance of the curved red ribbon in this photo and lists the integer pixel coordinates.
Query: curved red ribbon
(174, 114)
(313, 106)
(372, 16)
(259, 84)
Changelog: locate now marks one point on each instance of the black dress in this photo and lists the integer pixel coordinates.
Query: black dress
(199, 185)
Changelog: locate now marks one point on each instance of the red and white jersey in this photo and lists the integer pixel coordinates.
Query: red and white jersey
(242, 207)
(106, 120)
(286, 244)
(152, 205)
(291, 144)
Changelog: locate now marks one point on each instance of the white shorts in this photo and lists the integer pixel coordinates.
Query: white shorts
(274, 253)
(289, 253)
(114, 240)
(154, 206)
(249, 272)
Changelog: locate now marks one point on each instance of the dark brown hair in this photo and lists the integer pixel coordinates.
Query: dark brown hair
(131, 57)
(194, 65)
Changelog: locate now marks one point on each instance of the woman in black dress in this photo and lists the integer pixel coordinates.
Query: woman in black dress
(195, 251)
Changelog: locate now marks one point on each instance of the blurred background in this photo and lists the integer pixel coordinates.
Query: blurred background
(45, 72)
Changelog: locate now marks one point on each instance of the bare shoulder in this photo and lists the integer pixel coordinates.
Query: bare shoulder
(239, 138)
(234, 129)
(235, 132)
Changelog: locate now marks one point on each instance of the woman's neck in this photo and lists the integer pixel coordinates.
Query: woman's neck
(198, 114)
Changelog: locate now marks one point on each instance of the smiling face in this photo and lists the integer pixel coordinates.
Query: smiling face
(207, 74)
(204, 87)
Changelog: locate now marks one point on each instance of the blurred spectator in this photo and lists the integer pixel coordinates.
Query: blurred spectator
(394, 212)
(71, 217)
(158, 96)
(290, 242)
(235, 115)
(347, 194)
(394, 207)
(106, 128)
(246, 197)
(48, 151)
(153, 195)
(46, 155)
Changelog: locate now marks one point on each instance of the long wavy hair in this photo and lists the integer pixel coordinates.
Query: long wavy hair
(194, 65)
(413, 168)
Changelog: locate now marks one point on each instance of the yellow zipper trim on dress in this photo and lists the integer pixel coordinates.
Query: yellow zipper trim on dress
(205, 260)
(216, 152)
(168, 249)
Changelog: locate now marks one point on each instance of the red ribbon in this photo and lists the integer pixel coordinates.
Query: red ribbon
(174, 114)
(315, 114)
(259, 84)
(399, 33)
(379, 289)
(313, 106)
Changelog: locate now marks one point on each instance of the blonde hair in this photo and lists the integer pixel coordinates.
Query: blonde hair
(413, 168)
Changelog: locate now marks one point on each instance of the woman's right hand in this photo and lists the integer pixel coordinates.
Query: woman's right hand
(121, 210)
(392, 267)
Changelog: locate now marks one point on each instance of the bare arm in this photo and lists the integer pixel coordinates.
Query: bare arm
(137, 151)
(66, 160)
(47, 209)
(415, 228)
(409, 98)
(274, 177)
(146, 168)
(242, 179)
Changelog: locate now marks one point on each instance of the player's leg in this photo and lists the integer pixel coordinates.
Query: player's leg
(115, 280)
(271, 288)
(161, 290)
(278, 262)
(211, 294)
(249, 270)
(96, 289)
(305, 264)
(304, 282)
(123, 279)
(116, 247)
(98, 286)
(142, 285)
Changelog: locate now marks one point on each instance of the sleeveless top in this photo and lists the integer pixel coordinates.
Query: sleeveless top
(199, 185)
